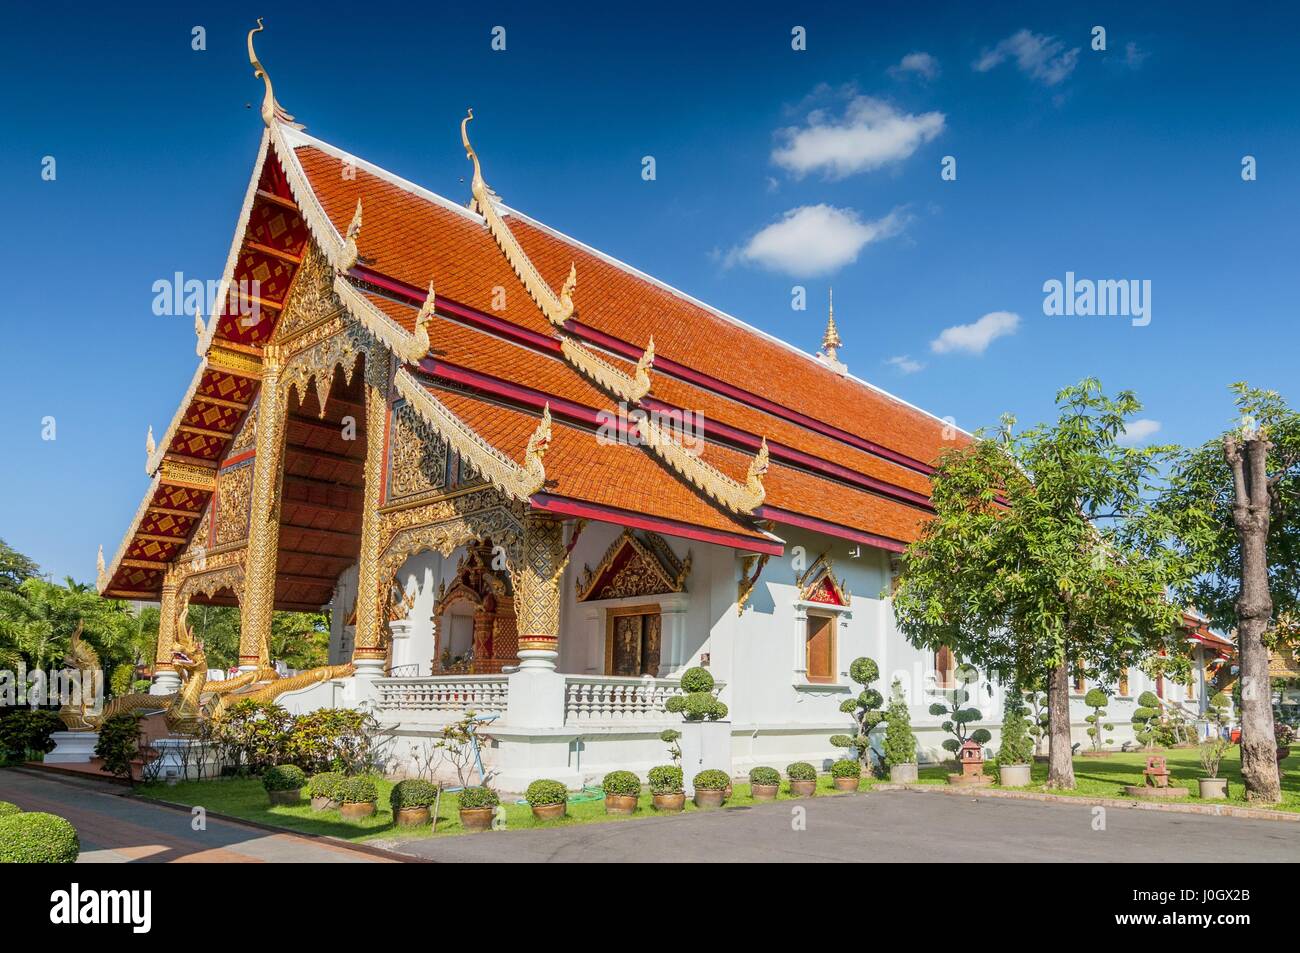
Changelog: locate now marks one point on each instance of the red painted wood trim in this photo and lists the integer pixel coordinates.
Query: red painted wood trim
(566, 506)
(240, 458)
(778, 515)
(664, 365)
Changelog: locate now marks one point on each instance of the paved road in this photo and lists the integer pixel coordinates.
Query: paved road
(889, 826)
(118, 829)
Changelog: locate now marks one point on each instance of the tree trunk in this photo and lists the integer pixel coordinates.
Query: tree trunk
(1250, 516)
(1060, 757)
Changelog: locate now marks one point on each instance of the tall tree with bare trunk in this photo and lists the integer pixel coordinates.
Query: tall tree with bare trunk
(1045, 555)
(1236, 500)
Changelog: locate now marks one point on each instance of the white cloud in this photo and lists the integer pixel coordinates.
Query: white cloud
(870, 134)
(1134, 56)
(905, 364)
(975, 338)
(1139, 430)
(814, 240)
(922, 64)
(1036, 55)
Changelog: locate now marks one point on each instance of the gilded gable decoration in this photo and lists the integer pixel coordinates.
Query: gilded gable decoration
(819, 584)
(634, 565)
(272, 111)
(751, 567)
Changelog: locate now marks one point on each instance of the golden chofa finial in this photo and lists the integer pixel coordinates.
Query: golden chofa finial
(149, 445)
(272, 111)
(481, 191)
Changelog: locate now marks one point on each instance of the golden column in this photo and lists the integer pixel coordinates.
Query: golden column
(165, 677)
(368, 649)
(537, 591)
(264, 518)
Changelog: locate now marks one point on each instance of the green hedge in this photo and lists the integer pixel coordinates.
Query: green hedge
(764, 775)
(697, 680)
(546, 791)
(801, 771)
(413, 792)
(37, 838)
(478, 797)
(621, 783)
(6, 809)
(665, 779)
(284, 777)
(360, 790)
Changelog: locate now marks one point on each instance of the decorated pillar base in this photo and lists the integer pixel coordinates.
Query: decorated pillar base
(166, 681)
(538, 657)
(369, 664)
(400, 632)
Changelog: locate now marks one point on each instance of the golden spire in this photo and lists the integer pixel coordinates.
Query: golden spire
(831, 339)
(272, 111)
(100, 572)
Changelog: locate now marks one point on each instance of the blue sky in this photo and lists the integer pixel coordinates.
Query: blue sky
(774, 168)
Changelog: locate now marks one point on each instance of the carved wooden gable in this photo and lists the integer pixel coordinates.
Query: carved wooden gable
(819, 584)
(634, 565)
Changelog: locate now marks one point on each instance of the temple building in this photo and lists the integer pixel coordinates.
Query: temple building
(525, 479)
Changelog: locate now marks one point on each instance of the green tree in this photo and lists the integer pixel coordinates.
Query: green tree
(300, 639)
(1014, 744)
(900, 742)
(1236, 500)
(957, 713)
(1045, 552)
(864, 710)
(38, 618)
(15, 568)
(217, 627)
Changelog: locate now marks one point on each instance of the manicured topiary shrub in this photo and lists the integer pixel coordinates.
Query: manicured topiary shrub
(412, 792)
(697, 680)
(697, 706)
(764, 775)
(900, 743)
(666, 779)
(476, 797)
(284, 777)
(324, 784)
(6, 809)
(544, 792)
(37, 838)
(865, 709)
(711, 780)
(1015, 746)
(621, 783)
(1146, 719)
(958, 714)
(845, 768)
(362, 790)
(1097, 700)
(801, 771)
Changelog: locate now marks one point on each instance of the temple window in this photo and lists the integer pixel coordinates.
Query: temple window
(820, 648)
(633, 641)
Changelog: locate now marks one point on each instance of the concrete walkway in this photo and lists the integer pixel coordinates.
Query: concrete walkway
(118, 829)
(887, 827)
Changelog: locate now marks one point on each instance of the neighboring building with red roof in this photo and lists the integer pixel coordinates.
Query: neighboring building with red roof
(526, 479)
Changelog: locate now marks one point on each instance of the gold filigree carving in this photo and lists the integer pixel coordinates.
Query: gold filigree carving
(537, 583)
(417, 457)
(751, 567)
(370, 630)
(227, 359)
(410, 348)
(234, 491)
(517, 481)
(311, 299)
(188, 474)
(650, 568)
(819, 581)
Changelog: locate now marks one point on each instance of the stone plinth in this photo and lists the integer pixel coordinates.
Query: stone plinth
(72, 747)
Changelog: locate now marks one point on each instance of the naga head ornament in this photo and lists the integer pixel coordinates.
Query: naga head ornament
(272, 111)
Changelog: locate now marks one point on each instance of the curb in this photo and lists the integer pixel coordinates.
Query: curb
(1218, 810)
(273, 829)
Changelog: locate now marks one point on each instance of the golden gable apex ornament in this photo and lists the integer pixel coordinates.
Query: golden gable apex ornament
(272, 111)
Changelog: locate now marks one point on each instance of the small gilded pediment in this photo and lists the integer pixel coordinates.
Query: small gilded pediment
(819, 584)
(634, 565)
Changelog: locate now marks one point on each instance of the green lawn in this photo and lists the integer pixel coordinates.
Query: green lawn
(1097, 777)
(245, 798)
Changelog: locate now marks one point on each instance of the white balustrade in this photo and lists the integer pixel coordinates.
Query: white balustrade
(607, 699)
(482, 694)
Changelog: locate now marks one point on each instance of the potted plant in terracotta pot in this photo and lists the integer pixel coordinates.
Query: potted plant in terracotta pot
(477, 807)
(846, 775)
(900, 743)
(548, 799)
(1016, 747)
(284, 783)
(803, 778)
(411, 799)
(321, 787)
(711, 787)
(357, 798)
(666, 788)
(1212, 786)
(764, 783)
(622, 788)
